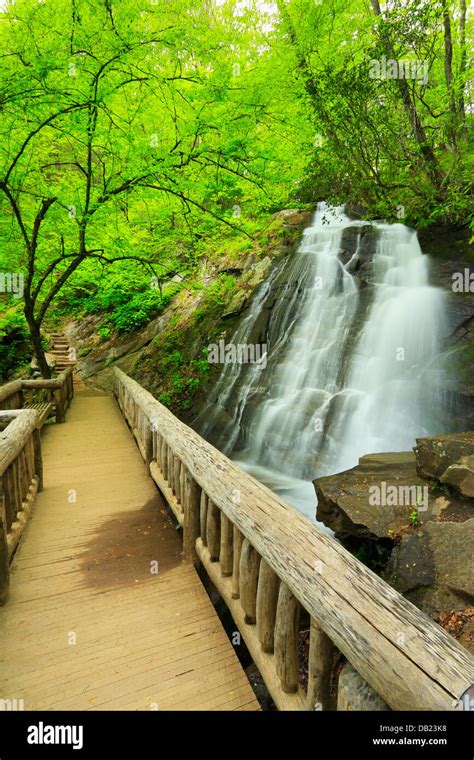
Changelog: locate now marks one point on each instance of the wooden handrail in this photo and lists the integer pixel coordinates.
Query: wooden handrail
(10, 389)
(59, 390)
(21, 477)
(411, 662)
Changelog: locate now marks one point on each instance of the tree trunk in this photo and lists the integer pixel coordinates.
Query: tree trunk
(462, 63)
(448, 72)
(35, 335)
(434, 170)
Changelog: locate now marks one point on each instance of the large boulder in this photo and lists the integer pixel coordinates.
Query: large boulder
(418, 533)
(461, 476)
(435, 454)
(433, 566)
(347, 501)
(448, 459)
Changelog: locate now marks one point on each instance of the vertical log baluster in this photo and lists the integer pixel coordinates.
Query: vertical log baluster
(249, 566)
(177, 478)
(58, 398)
(238, 540)
(164, 459)
(191, 521)
(203, 517)
(286, 639)
(16, 488)
(156, 446)
(213, 530)
(4, 558)
(22, 479)
(226, 554)
(321, 651)
(171, 470)
(147, 440)
(38, 458)
(9, 498)
(267, 600)
(31, 458)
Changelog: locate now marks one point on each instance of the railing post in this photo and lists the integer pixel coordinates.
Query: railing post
(38, 459)
(177, 478)
(203, 517)
(156, 445)
(238, 540)
(4, 558)
(164, 459)
(321, 651)
(286, 639)
(148, 445)
(227, 546)
(9, 498)
(267, 600)
(213, 530)
(58, 399)
(249, 565)
(191, 522)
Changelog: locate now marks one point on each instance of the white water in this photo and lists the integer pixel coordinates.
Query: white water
(347, 374)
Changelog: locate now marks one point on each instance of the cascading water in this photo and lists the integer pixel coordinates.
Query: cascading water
(353, 362)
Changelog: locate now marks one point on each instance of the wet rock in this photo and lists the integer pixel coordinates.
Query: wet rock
(347, 500)
(259, 272)
(355, 694)
(434, 455)
(344, 256)
(433, 567)
(450, 254)
(461, 476)
(423, 547)
(237, 304)
(294, 217)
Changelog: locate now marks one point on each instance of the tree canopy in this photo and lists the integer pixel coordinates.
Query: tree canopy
(134, 134)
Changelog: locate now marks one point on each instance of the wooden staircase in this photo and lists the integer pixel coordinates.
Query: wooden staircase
(61, 350)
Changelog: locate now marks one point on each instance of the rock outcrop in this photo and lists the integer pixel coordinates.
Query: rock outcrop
(411, 516)
(449, 459)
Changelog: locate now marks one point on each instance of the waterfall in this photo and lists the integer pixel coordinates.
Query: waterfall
(353, 366)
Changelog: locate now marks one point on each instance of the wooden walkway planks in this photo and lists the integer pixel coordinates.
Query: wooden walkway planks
(88, 625)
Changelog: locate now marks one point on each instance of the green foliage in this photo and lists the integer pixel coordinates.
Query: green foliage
(15, 347)
(104, 331)
(141, 309)
(215, 297)
(147, 139)
(396, 144)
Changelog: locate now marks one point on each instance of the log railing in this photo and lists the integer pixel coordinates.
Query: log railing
(278, 573)
(20, 394)
(21, 477)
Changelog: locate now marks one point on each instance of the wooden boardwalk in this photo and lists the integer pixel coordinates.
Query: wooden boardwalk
(89, 625)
